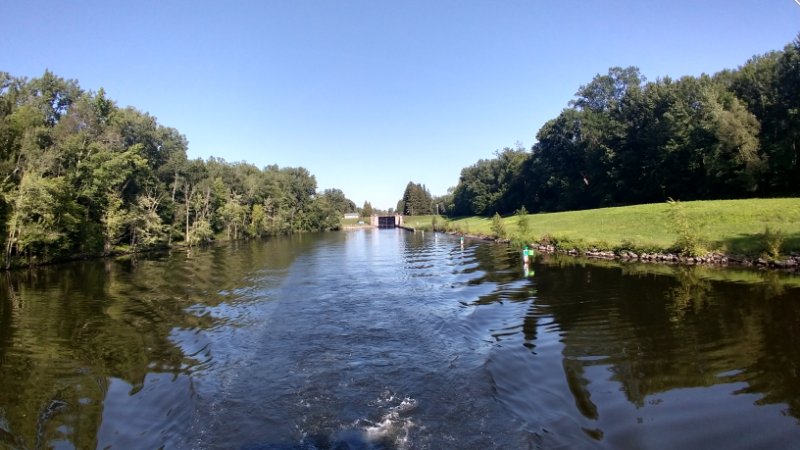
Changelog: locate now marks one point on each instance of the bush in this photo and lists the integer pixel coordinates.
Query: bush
(637, 248)
(547, 239)
(498, 228)
(564, 243)
(523, 222)
(772, 241)
(519, 242)
(690, 240)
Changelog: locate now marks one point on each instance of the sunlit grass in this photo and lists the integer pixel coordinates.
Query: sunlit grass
(423, 222)
(733, 226)
(352, 222)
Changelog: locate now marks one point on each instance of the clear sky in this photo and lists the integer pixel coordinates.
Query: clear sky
(367, 94)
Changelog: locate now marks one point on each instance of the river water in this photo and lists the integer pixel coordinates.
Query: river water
(385, 339)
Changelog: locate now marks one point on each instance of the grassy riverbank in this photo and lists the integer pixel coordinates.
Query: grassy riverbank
(747, 227)
(355, 221)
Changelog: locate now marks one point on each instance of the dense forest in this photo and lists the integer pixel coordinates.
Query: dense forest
(625, 141)
(83, 176)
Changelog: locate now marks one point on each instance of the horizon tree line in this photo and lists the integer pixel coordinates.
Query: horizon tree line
(624, 140)
(80, 175)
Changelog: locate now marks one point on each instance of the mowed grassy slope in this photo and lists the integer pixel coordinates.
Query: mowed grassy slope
(423, 222)
(729, 226)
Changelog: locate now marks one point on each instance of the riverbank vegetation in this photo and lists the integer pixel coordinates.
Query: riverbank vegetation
(80, 175)
(752, 227)
(626, 141)
(650, 167)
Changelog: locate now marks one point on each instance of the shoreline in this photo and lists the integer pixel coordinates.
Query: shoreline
(788, 263)
(356, 227)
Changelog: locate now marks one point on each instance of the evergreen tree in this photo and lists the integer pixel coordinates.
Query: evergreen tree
(416, 201)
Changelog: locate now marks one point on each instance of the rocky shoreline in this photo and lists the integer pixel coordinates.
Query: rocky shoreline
(791, 262)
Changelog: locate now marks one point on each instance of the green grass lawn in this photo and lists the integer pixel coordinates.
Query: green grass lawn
(730, 226)
(423, 222)
(352, 222)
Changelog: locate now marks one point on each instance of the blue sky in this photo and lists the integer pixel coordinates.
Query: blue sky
(369, 95)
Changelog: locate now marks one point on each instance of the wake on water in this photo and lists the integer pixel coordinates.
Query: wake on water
(390, 429)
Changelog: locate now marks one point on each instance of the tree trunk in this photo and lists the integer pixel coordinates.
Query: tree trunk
(174, 214)
(10, 244)
(186, 238)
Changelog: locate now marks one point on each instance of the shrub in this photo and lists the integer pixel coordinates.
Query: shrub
(523, 222)
(690, 241)
(637, 247)
(547, 239)
(565, 243)
(772, 241)
(498, 228)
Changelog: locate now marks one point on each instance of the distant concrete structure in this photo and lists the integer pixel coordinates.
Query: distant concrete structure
(386, 221)
(351, 215)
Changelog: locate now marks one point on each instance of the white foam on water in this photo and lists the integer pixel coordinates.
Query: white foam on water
(394, 425)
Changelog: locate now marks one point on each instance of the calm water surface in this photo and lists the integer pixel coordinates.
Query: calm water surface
(383, 339)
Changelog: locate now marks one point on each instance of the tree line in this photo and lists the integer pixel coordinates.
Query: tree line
(624, 140)
(80, 175)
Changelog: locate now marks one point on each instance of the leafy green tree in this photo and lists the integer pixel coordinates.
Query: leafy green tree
(111, 172)
(53, 95)
(78, 174)
(488, 186)
(785, 149)
(233, 215)
(326, 215)
(562, 150)
(732, 161)
(605, 93)
(43, 218)
(257, 225)
(443, 204)
(366, 210)
(300, 188)
(337, 199)
(148, 227)
(114, 220)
